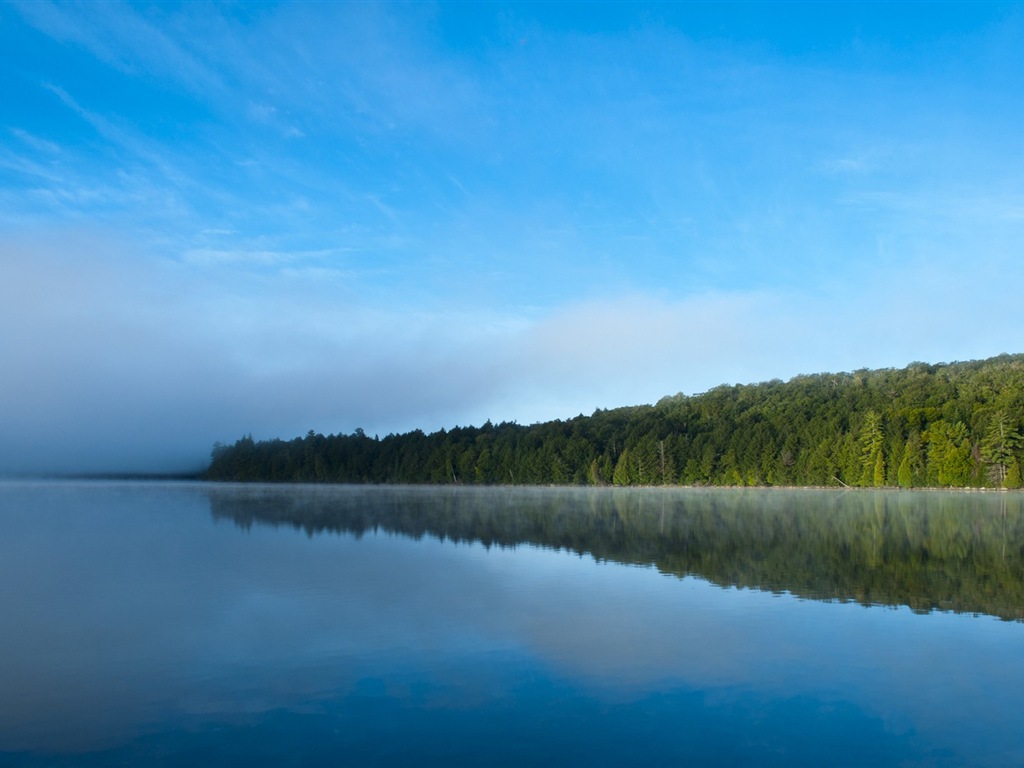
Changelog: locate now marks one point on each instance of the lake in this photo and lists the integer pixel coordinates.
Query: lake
(201, 624)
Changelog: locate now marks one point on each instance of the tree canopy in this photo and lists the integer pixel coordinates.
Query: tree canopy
(947, 425)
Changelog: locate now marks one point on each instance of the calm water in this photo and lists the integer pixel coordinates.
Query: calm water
(183, 624)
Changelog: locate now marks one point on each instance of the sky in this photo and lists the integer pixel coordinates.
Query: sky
(262, 218)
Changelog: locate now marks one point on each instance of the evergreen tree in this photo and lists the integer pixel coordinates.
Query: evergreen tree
(1012, 479)
(624, 469)
(905, 475)
(872, 440)
(879, 474)
(997, 449)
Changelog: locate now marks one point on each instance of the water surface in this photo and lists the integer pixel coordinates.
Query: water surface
(174, 624)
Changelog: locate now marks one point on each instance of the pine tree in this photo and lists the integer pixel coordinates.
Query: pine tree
(872, 440)
(624, 469)
(1012, 479)
(905, 475)
(879, 476)
(998, 447)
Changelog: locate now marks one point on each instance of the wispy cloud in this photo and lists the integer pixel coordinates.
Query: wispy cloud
(117, 34)
(36, 143)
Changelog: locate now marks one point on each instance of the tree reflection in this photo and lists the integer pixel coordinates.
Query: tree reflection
(959, 552)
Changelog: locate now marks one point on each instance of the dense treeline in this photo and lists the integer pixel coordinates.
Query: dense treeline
(948, 425)
(925, 550)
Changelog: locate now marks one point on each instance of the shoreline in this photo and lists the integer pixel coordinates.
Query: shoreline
(174, 477)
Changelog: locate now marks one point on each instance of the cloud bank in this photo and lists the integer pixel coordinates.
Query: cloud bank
(116, 363)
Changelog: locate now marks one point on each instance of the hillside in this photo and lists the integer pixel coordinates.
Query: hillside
(947, 425)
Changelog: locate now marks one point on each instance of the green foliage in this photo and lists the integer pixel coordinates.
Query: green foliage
(872, 443)
(1013, 479)
(625, 469)
(949, 454)
(905, 475)
(878, 478)
(998, 449)
(954, 425)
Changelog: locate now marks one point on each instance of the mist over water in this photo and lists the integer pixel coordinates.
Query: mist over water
(173, 622)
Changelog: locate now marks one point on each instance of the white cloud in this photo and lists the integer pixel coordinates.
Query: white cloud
(116, 360)
(35, 142)
(118, 35)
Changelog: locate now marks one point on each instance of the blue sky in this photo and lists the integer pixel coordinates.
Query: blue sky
(218, 219)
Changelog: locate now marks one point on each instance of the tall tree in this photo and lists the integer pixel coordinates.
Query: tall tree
(999, 446)
(872, 441)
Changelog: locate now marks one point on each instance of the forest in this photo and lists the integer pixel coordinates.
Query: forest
(950, 425)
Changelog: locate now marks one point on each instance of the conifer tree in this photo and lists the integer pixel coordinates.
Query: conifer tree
(624, 471)
(872, 440)
(905, 475)
(1013, 479)
(998, 447)
(879, 476)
